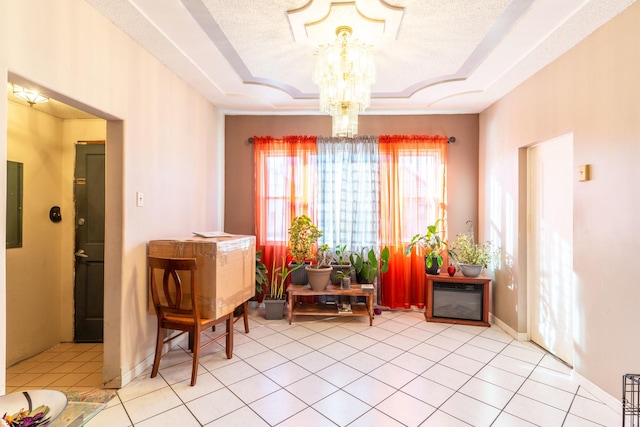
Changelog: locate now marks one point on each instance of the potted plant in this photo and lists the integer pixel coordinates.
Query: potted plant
(367, 265)
(274, 301)
(262, 281)
(340, 262)
(344, 277)
(303, 235)
(432, 244)
(319, 274)
(472, 257)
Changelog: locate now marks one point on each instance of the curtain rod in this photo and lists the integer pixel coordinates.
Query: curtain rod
(450, 140)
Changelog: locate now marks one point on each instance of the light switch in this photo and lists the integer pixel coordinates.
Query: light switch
(583, 173)
(139, 199)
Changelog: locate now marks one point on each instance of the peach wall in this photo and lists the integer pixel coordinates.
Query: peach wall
(34, 271)
(163, 139)
(462, 156)
(591, 91)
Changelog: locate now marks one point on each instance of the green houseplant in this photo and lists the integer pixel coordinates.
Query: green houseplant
(341, 263)
(344, 277)
(262, 279)
(367, 265)
(261, 274)
(274, 301)
(303, 235)
(341, 255)
(319, 274)
(432, 244)
(472, 257)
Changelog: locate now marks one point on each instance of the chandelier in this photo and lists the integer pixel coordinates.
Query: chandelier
(344, 71)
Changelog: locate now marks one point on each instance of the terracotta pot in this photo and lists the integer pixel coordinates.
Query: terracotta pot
(318, 277)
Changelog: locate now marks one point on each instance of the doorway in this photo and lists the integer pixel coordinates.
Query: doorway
(69, 112)
(550, 246)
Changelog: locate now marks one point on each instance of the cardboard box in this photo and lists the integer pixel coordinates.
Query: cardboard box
(226, 272)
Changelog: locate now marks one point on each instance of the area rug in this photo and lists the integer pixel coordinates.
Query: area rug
(92, 396)
(82, 406)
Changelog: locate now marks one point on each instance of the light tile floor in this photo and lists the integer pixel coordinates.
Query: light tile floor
(319, 371)
(64, 367)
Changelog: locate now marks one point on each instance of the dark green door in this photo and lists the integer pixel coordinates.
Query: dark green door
(89, 282)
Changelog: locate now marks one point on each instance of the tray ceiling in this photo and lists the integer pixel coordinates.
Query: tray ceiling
(432, 56)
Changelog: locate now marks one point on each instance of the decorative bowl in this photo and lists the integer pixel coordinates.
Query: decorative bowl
(470, 270)
(13, 403)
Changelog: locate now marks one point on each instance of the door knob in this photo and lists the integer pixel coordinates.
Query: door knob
(81, 254)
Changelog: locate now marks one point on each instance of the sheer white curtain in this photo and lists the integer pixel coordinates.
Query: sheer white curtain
(348, 191)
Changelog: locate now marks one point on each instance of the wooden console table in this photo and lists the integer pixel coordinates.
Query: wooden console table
(461, 280)
(321, 309)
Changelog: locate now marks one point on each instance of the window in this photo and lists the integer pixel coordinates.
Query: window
(361, 192)
(420, 195)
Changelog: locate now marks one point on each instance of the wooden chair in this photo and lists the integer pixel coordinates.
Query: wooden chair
(176, 310)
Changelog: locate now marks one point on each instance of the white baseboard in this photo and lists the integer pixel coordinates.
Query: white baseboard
(519, 336)
(147, 363)
(601, 395)
(597, 392)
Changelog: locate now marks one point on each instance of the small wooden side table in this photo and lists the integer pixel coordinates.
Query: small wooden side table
(465, 287)
(321, 309)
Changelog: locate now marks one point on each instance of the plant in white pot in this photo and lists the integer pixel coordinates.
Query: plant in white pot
(274, 301)
(319, 274)
(303, 235)
(344, 277)
(432, 244)
(472, 257)
(340, 263)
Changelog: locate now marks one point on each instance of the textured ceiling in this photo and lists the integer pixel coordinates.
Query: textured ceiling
(432, 56)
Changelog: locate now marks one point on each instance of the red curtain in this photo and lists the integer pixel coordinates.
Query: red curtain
(285, 178)
(412, 197)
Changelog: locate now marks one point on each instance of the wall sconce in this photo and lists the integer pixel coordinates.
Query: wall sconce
(28, 95)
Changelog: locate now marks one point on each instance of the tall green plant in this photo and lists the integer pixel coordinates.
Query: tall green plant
(279, 278)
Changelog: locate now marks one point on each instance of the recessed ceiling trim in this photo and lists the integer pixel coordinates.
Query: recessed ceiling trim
(211, 28)
(373, 22)
(503, 25)
(465, 45)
